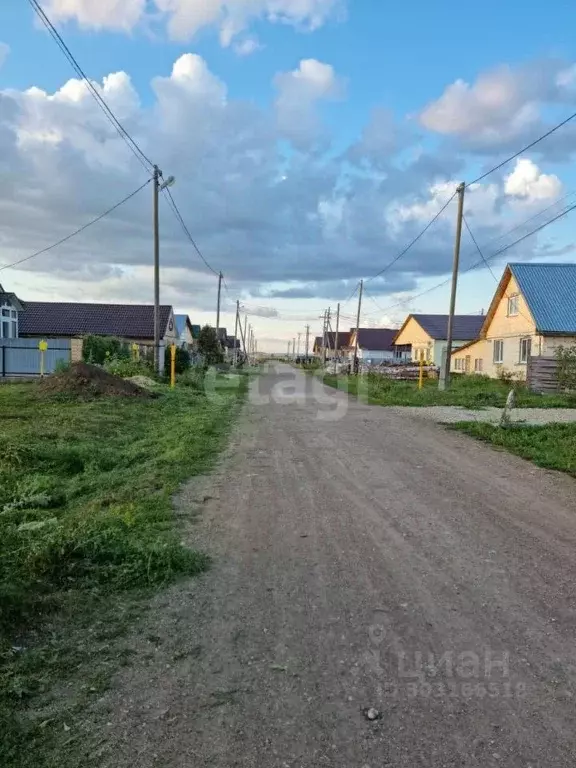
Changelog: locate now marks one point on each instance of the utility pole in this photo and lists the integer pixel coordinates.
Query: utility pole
(220, 276)
(299, 335)
(444, 379)
(293, 349)
(156, 188)
(356, 365)
(307, 341)
(236, 333)
(288, 351)
(244, 336)
(336, 338)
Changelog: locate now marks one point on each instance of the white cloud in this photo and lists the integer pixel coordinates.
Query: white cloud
(503, 106)
(4, 53)
(185, 18)
(529, 183)
(119, 15)
(299, 93)
(247, 46)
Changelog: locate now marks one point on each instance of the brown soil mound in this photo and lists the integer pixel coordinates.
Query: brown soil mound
(88, 381)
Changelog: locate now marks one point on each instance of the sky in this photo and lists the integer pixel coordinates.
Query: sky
(311, 141)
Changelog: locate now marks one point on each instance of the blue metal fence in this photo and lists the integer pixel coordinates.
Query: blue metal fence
(21, 357)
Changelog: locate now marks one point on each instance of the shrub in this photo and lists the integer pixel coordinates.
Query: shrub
(97, 349)
(182, 360)
(209, 347)
(193, 378)
(566, 357)
(126, 367)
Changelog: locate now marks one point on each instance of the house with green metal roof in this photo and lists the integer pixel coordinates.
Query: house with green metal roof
(532, 313)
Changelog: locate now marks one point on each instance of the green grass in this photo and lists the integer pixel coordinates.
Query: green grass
(86, 531)
(467, 391)
(552, 446)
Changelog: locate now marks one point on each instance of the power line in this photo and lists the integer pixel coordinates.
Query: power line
(78, 231)
(478, 263)
(524, 149)
(478, 247)
(175, 210)
(414, 241)
(123, 133)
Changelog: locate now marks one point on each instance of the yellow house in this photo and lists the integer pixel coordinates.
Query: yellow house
(426, 334)
(533, 312)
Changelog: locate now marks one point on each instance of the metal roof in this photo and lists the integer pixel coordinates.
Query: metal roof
(377, 339)
(133, 321)
(465, 327)
(550, 292)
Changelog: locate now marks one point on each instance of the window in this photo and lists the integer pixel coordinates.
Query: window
(498, 356)
(478, 365)
(8, 322)
(458, 364)
(513, 305)
(525, 349)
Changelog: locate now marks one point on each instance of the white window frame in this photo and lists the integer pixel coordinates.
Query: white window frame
(478, 365)
(8, 315)
(498, 344)
(525, 343)
(513, 305)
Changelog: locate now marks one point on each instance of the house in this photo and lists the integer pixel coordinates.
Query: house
(425, 335)
(10, 309)
(375, 345)
(134, 323)
(185, 331)
(533, 312)
(330, 341)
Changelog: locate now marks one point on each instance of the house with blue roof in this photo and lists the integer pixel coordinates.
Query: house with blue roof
(533, 312)
(423, 337)
(187, 333)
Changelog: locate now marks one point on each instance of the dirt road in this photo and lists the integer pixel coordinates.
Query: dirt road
(361, 560)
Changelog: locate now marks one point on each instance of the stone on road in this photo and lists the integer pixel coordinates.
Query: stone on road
(384, 593)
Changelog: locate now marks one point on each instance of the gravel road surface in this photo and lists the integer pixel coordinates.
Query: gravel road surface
(449, 414)
(363, 560)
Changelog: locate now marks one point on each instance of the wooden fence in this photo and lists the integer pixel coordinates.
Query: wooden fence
(542, 374)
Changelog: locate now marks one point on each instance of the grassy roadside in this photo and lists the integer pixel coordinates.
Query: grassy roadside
(552, 446)
(465, 391)
(87, 532)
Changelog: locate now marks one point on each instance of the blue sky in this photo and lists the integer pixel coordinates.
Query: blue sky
(376, 114)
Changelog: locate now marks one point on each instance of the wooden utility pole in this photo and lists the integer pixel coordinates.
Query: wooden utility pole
(236, 333)
(245, 337)
(356, 365)
(299, 336)
(324, 337)
(444, 378)
(220, 276)
(307, 341)
(288, 351)
(336, 337)
(293, 349)
(155, 188)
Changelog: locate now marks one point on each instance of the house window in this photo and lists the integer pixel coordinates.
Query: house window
(478, 365)
(458, 364)
(513, 305)
(525, 349)
(8, 322)
(498, 356)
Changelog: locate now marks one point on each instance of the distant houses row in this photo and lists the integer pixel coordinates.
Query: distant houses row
(532, 313)
(133, 323)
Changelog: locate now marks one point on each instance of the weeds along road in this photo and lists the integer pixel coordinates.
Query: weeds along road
(361, 560)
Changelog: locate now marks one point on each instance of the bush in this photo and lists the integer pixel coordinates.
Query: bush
(566, 357)
(98, 349)
(126, 367)
(182, 360)
(209, 347)
(193, 378)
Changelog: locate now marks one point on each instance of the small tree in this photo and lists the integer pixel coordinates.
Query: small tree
(209, 346)
(182, 362)
(566, 357)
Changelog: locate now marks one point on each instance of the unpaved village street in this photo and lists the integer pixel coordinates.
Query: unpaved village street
(362, 559)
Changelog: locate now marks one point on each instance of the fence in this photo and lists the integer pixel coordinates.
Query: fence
(542, 374)
(21, 357)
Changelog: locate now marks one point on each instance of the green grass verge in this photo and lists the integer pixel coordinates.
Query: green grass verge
(467, 391)
(86, 531)
(552, 446)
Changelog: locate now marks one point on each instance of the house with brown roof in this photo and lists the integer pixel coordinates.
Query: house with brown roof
(133, 323)
(330, 341)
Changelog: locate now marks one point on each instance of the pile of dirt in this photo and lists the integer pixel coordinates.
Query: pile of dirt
(143, 381)
(88, 381)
